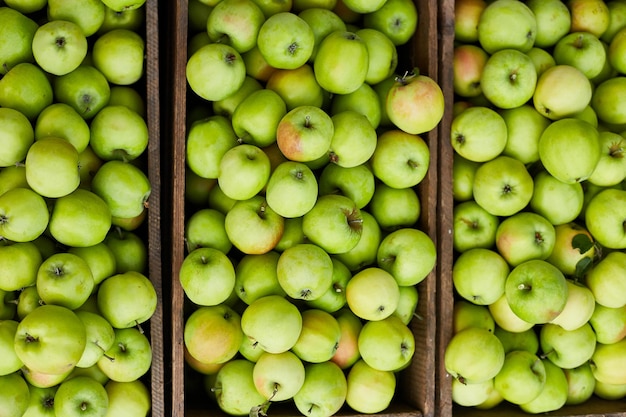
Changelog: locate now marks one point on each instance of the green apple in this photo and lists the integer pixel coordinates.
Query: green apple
(235, 23)
(574, 249)
(473, 355)
(59, 46)
(605, 210)
(331, 67)
(127, 299)
(372, 293)
(396, 18)
(27, 89)
(305, 133)
(615, 49)
(525, 236)
(319, 336)
(64, 279)
(364, 100)
(88, 15)
(296, 87)
(304, 271)
(466, 314)
(273, 322)
(468, 62)
(583, 51)
(256, 277)
(213, 334)
(536, 291)
(394, 208)
(13, 176)
(408, 254)
(123, 5)
(50, 339)
(11, 362)
(580, 384)
(52, 167)
(86, 89)
(523, 340)
(44, 380)
(15, 395)
(553, 21)
(206, 228)
(542, 59)
(387, 344)
(562, 91)
(27, 301)
(62, 121)
(471, 395)
(486, 131)
(400, 159)
(129, 249)
(17, 37)
(234, 388)
(611, 168)
(474, 227)
(80, 396)
(524, 128)
(41, 403)
(100, 338)
(226, 107)
(466, 16)
(207, 141)
(292, 189)
(324, 390)
(356, 183)
(8, 304)
(365, 252)
(88, 164)
(521, 378)
(553, 396)
(549, 191)
(252, 226)
(250, 350)
(123, 186)
(579, 308)
(285, 40)
(278, 376)
(609, 391)
(505, 318)
(215, 71)
(508, 78)
(617, 20)
(369, 390)
(129, 358)
(117, 132)
(507, 24)
(322, 21)
(128, 398)
(567, 349)
(256, 65)
(606, 283)
(479, 275)
(608, 323)
(119, 55)
(207, 276)
(271, 7)
(257, 116)
(608, 360)
(197, 188)
(334, 298)
(583, 19)
(354, 139)
(24, 215)
(382, 54)
(503, 186)
(347, 352)
(17, 134)
(19, 263)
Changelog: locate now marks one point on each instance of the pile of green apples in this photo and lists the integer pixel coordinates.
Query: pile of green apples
(73, 199)
(539, 273)
(303, 155)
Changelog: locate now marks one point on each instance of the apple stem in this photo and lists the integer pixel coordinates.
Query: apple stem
(544, 355)
(538, 238)
(30, 338)
(139, 327)
(333, 157)
(216, 389)
(461, 380)
(616, 150)
(307, 121)
(83, 406)
(337, 288)
(524, 287)
(111, 358)
(412, 164)
(418, 316)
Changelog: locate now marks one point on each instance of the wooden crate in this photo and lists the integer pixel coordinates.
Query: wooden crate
(416, 388)
(595, 407)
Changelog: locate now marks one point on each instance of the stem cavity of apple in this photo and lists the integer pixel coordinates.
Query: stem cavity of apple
(538, 238)
(230, 58)
(292, 48)
(30, 338)
(524, 287)
(60, 42)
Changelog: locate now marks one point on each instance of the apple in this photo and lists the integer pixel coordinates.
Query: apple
(473, 355)
(129, 357)
(127, 18)
(273, 322)
(615, 48)
(17, 37)
(382, 54)
(542, 59)
(408, 254)
(256, 117)
(608, 323)
(508, 78)
(24, 215)
(250, 350)
(553, 21)
(387, 344)
(503, 186)
(129, 249)
(64, 279)
(59, 46)
(603, 211)
(580, 384)
(468, 62)
(88, 165)
(484, 128)
(574, 249)
(394, 208)
(89, 15)
(124, 5)
(322, 21)
(522, 377)
(605, 282)
(255, 276)
(252, 226)
(589, 16)
(354, 139)
(549, 190)
(562, 91)
(581, 50)
(525, 236)
(26, 88)
(235, 23)
(479, 275)
(243, 171)
(207, 141)
(505, 318)
(12, 363)
(471, 395)
(44, 380)
(285, 40)
(611, 168)
(13, 176)
(28, 300)
(331, 68)
(100, 338)
(400, 159)
(507, 24)
(215, 71)
(372, 293)
(197, 188)
(52, 167)
(207, 276)
(324, 390)
(567, 349)
(206, 229)
(366, 250)
(123, 186)
(117, 132)
(305, 133)
(304, 271)
(296, 87)
(607, 361)
(270, 7)
(356, 183)
(466, 16)
(278, 376)
(554, 393)
(213, 334)
(19, 264)
(41, 402)
(319, 336)
(79, 396)
(474, 227)
(579, 308)
(85, 89)
(347, 352)
(256, 65)
(610, 391)
(128, 398)
(234, 388)
(50, 339)
(364, 100)
(61, 120)
(226, 107)
(396, 18)
(8, 304)
(15, 394)
(292, 189)
(18, 135)
(524, 128)
(127, 299)
(523, 340)
(369, 390)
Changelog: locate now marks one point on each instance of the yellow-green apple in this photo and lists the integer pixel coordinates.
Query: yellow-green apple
(396, 18)
(127, 300)
(64, 279)
(617, 20)
(415, 103)
(41, 402)
(485, 130)
(608, 361)
(11, 362)
(521, 378)
(609, 391)
(213, 334)
(273, 322)
(474, 227)
(468, 61)
(341, 62)
(235, 23)
(508, 78)
(17, 134)
(524, 236)
(561, 91)
(62, 121)
(549, 190)
(507, 24)
(536, 291)
(407, 303)
(286, 40)
(50, 339)
(589, 16)
(608, 323)
(125, 188)
(278, 376)
(505, 318)
(466, 16)
(100, 337)
(372, 293)
(15, 394)
(466, 314)
(470, 395)
(356, 182)
(364, 100)
(615, 51)
(28, 299)
(13, 176)
(347, 352)
(234, 388)
(257, 116)
(382, 89)
(574, 249)
(44, 380)
(292, 189)
(52, 167)
(206, 228)
(59, 46)
(580, 384)
(542, 59)
(387, 344)
(354, 139)
(605, 210)
(567, 348)
(215, 71)
(473, 355)
(128, 18)
(255, 276)
(128, 398)
(129, 357)
(523, 340)
(394, 208)
(129, 249)
(296, 87)
(365, 252)
(252, 226)
(606, 282)
(334, 298)
(369, 390)
(382, 54)
(304, 134)
(408, 254)
(270, 7)
(463, 178)
(117, 132)
(554, 393)
(80, 395)
(583, 51)
(553, 21)
(243, 171)
(322, 21)
(304, 271)
(319, 336)
(207, 141)
(27, 89)
(479, 275)
(226, 107)
(400, 159)
(207, 276)
(324, 390)
(250, 350)
(86, 89)
(361, 6)
(24, 215)
(579, 308)
(503, 186)
(19, 264)
(123, 5)
(17, 38)
(256, 65)
(611, 168)
(88, 165)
